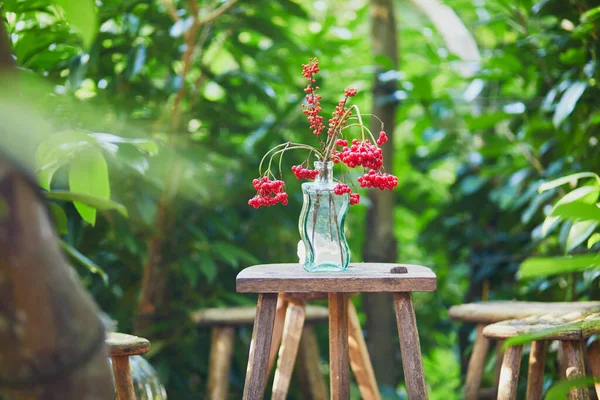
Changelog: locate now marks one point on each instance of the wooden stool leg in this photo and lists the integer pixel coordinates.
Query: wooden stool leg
(535, 374)
(258, 360)
(574, 367)
(219, 365)
(292, 331)
(312, 384)
(509, 374)
(476, 364)
(123, 380)
(359, 357)
(498, 366)
(338, 346)
(410, 346)
(594, 361)
(282, 305)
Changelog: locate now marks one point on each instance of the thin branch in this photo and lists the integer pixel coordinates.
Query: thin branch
(217, 13)
(171, 9)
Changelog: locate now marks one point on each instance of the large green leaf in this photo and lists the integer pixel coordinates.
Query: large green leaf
(595, 238)
(572, 179)
(536, 267)
(567, 102)
(144, 145)
(88, 174)
(577, 210)
(81, 15)
(92, 201)
(579, 232)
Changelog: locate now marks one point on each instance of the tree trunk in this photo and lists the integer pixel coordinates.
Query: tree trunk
(380, 245)
(51, 337)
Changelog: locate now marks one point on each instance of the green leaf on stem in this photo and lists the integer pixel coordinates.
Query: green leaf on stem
(572, 179)
(579, 232)
(84, 261)
(90, 200)
(59, 217)
(595, 238)
(536, 267)
(567, 102)
(88, 174)
(81, 15)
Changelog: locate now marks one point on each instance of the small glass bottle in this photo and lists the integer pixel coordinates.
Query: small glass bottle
(322, 223)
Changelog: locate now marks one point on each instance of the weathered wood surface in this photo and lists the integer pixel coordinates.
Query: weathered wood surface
(121, 344)
(593, 354)
(360, 277)
(498, 366)
(571, 326)
(123, 379)
(410, 346)
(292, 332)
(280, 312)
(535, 373)
(219, 364)
(360, 362)
(476, 364)
(489, 312)
(258, 360)
(338, 347)
(51, 337)
(312, 383)
(509, 374)
(574, 367)
(235, 316)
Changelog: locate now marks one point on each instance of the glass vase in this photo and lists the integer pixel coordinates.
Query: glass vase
(322, 223)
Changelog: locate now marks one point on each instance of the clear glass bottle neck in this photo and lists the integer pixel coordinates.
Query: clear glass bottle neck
(325, 172)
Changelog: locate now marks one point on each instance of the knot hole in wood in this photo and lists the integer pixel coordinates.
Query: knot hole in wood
(399, 270)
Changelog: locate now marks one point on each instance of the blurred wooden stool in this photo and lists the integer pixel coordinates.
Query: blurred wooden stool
(571, 330)
(120, 347)
(270, 280)
(223, 322)
(490, 312)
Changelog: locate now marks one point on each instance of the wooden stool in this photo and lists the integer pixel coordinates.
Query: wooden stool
(223, 322)
(490, 312)
(571, 330)
(120, 348)
(269, 280)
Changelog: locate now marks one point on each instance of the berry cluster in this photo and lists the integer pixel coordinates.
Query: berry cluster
(350, 92)
(265, 188)
(312, 98)
(337, 121)
(363, 153)
(354, 198)
(378, 180)
(382, 138)
(304, 173)
(341, 188)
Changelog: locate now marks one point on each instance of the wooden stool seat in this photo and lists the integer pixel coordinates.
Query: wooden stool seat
(571, 329)
(346, 343)
(236, 316)
(360, 277)
(490, 312)
(120, 347)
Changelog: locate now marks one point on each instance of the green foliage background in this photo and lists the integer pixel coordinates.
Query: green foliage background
(471, 151)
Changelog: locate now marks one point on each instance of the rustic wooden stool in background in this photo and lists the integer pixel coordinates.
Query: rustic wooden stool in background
(120, 348)
(269, 280)
(224, 321)
(490, 312)
(570, 329)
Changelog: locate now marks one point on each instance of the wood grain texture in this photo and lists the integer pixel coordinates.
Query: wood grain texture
(360, 362)
(593, 353)
(476, 364)
(292, 332)
(361, 277)
(52, 342)
(236, 316)
(219, 362)
(280, 312)
(123, 380)
(256, 373)
(338, 347)
(509, 374)
(312, 383)
(121, 344)
(410, 346)
(535, 373)
(489, 312)
(574, 367)
(576, 325)
(498, 366)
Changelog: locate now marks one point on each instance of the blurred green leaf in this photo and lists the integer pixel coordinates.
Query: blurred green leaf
(144, 145)
(88, 174)
(92, 201)
(567, 102)
(590, 15)
(572, 179)
(577, 210)
(595, 238)
(84, 261)
(579, 232)
(59, 217)
(81, 14)
(536, 267)
(560, 390)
